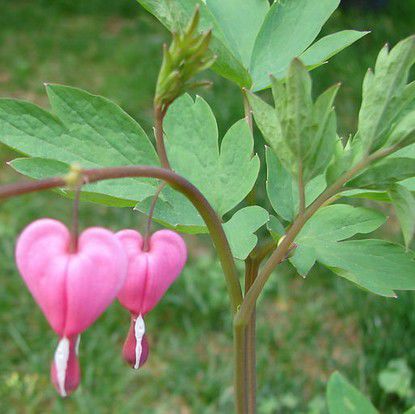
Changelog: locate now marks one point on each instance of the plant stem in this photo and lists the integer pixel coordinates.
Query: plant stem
(159, 113)
(180, 184)
(73, 247)
(279, 255)
(248, 112)
(150, 215)
(240, 385)
(251, 272)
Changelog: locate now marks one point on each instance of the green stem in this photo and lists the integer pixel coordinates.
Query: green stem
(73, 247)
(240, 385)
(248, 112)
(150, 215)
(159, 113)
(251, 272)
(180, 184)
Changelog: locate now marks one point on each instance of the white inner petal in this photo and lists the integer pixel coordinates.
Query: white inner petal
(139, 330)
(61, 363)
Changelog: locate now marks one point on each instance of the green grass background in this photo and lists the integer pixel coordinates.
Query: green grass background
(306, 328)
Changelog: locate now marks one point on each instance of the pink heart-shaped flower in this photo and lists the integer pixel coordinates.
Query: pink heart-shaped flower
(72, 289)
(150, 273)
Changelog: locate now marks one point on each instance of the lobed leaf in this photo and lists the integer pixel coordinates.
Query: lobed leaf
(404, 204)
(384, 174)
(328, 226)
(328, 46)
(301, 133)
(385, 96)
(224, 175)
(375, 265)
(241, 229)
(85, 129)
(276, 46)
(253, 40)
(344, 398)
(240, 22)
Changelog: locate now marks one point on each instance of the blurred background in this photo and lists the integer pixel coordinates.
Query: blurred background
(306, 328)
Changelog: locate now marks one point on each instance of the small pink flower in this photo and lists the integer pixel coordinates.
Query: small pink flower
(150, 273)
(72, 289)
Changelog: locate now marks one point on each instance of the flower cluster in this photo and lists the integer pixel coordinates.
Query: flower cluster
(74, 288)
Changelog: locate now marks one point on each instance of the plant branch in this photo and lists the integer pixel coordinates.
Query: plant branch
(179, 183)
(251, 272)
(248, 112)
(279, 255)
(159, 114)
(75, 221)
(240, 385)
(151, 213)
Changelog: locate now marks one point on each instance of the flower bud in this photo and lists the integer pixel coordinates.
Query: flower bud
(187, 56)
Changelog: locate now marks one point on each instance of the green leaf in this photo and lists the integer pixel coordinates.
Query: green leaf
(385, 173)
(241, 229)
(375, 265)
(277, 44)
(275, 228)
(344, 398)
(175, 15)
(396, 378)
(282, 189)
(404, 132)
(323, 144)
(85, 129)
(328, 226)
(226, 175)
(269, 124)
(240, 22)
(410, 411)
(385, 95)
(301, 133)
(298, 107)
(404, 203)
(328, 46)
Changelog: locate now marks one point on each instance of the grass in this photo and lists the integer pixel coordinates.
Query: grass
(306, 328)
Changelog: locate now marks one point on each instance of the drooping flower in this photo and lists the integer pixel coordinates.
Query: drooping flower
(72, 288)
(150, 273)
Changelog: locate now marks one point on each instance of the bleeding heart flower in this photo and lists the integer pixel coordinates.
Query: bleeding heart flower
(150, 273)
(71, 288)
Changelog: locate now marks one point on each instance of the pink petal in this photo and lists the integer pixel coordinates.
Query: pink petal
(150, 273)
(71, 289)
